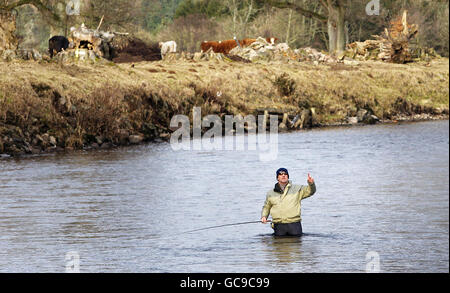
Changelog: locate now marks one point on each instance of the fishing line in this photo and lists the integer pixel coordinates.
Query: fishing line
(225, 225)
(203, 229)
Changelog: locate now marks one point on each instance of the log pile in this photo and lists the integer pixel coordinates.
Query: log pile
(261, 50)
(392, 46)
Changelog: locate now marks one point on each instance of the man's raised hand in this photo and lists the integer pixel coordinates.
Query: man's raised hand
(310, 179)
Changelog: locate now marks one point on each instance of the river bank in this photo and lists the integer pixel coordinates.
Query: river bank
(51, 106)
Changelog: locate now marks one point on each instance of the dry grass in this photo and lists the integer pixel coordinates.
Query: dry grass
(76, 102)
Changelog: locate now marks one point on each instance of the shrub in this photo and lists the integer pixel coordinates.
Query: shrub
(285, 84)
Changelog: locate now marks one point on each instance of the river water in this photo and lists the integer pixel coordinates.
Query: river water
(382, 204)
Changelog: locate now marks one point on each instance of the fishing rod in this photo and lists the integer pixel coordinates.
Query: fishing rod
(227, 225)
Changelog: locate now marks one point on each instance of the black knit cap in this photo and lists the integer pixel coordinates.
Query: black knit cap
(282, 170)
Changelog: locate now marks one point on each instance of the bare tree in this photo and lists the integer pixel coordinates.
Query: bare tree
(116, 14)
(303, 30)
(242, 12)
(189, 31)
(334, 18)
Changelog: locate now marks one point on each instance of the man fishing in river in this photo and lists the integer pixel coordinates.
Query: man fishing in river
(284, 204)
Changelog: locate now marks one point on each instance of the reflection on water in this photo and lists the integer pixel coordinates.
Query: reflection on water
(381, 189)
(285, 250)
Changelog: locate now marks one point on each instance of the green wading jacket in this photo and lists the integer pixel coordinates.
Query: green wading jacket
(285, 207)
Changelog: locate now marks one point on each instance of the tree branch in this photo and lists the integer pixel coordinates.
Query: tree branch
(297, 8)
(324, 4)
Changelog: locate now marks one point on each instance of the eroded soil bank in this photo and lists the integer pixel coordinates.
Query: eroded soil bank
(50, 106)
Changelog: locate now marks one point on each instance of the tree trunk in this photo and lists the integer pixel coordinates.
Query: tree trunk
(336, 28)
(288, 30)
(234, 18)
(347, 34)
(247, 18)
(340, 42)
(8, 40)
(332, 36)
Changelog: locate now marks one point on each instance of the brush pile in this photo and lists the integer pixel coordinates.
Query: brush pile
(130, 49)
(392, 46)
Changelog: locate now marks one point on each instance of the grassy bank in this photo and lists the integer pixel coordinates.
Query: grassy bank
(51, 106)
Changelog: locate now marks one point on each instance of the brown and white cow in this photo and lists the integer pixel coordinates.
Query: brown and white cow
(226, 46)
(206, 45)
(248, 42)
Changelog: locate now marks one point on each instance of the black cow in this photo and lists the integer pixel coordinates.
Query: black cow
(56, 44)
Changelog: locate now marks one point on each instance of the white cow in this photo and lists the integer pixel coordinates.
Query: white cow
(167, 47)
